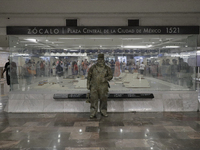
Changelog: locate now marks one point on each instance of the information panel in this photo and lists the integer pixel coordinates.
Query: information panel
(102, 30)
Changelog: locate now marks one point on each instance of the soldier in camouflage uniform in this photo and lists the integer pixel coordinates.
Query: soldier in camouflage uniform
(97, 82)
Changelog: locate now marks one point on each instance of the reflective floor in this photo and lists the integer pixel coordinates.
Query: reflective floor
(118, 131)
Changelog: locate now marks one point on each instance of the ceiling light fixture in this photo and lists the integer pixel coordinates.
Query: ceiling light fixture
(137, 46)
(132, 38)
(171, 47)
(68, 38)
(100, 38)
(32, 40)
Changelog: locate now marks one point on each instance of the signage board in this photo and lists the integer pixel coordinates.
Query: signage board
(100, 30)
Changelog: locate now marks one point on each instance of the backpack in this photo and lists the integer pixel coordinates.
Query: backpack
(59, 68)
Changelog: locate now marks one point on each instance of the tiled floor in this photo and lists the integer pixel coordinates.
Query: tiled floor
(119, 131)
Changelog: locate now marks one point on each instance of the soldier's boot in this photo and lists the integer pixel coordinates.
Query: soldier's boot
(103, 107)
(92, 114)
(104, 113)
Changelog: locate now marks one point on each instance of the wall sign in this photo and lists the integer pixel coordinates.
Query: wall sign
(102, 30)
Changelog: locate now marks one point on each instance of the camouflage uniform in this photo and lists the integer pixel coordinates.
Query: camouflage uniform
(97, 82)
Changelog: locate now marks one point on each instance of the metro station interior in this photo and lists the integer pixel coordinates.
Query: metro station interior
(153, 99)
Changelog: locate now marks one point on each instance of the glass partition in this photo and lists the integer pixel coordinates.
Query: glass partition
(138, 63)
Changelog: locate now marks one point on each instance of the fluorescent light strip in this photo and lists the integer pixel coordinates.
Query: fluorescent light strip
(131, 38)
(171, 47)
(35, 44)
(138, 46)
(25, 41)
(32, 40)
(68, 38)
(100, 38)
(42, 46)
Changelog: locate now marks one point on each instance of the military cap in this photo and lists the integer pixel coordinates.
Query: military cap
(101, 56)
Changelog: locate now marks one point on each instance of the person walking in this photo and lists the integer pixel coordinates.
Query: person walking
(142, 66)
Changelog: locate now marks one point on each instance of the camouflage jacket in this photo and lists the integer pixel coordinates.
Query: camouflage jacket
(95, 76)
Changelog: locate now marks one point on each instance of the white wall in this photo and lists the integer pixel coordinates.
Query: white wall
(98, 6)
(98, 12)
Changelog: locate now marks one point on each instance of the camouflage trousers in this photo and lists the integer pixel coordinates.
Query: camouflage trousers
(95, 95)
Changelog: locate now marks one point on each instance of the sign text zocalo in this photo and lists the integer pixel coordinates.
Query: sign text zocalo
(103, 30)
